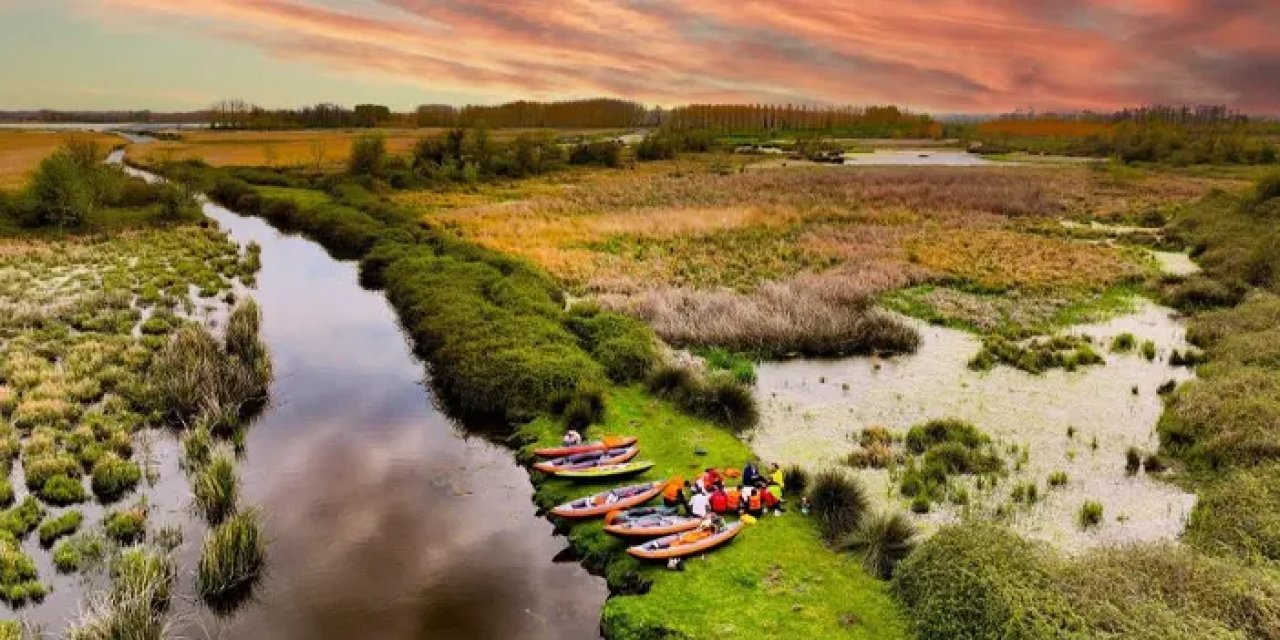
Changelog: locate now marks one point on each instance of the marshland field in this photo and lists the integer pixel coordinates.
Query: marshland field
(1024, 371)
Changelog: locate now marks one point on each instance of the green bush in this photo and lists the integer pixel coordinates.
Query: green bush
(78, 552)
(795, 479)
(61, 192)
(607, 153)
(839, 503)
(977, 581)
(1090, 514)
(23, 518)
(368, 155)
(126, 526)
(883, 540)
(17, 575)
(58, 526)
(62, 490)
(922, 436)
(113, 477)
(1123, 343)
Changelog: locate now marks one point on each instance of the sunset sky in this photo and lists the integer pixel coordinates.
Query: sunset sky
(934, 55)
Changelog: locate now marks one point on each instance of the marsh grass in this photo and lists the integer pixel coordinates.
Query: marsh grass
(216, 489)
(114, 476)
(231, 561)
(135, 606)
(883, 540)
(717, 396)
(126, 526)
(839, 502)
(59, 526)
(79, 551)
(1090, 514)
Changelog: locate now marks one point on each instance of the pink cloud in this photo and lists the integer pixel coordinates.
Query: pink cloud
(932, 54)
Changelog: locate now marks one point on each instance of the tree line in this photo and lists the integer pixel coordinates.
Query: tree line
(872, 121)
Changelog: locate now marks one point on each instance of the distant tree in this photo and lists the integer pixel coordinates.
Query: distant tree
(371, 115)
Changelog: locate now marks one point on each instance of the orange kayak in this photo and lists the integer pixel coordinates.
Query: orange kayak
(600, 504)
(589, 460)
(586, 447)
(652, 526)
(673, 546)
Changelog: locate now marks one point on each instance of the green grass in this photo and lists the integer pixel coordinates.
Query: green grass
(1018, 316)
(301, 197)
(772, 568)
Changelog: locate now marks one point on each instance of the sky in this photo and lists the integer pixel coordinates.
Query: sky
(942, 56)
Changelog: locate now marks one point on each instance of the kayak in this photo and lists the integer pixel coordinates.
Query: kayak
(673, 546)
(586, 447)
(599, 504)
(652, 526)
(636, 513)
(588, 460)
(605, 471)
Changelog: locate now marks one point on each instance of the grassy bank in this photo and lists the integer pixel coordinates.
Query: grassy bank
(777, 577)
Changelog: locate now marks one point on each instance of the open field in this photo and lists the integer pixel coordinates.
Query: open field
(22, 150)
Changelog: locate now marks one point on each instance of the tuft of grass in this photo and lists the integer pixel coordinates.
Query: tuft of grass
(1058, 479)
(216, 489)
(1132, 460)
(114, 476)
(796, 479)
(18, 582)
(1148, 350)
(1123, 343)
(61, 490)
(56, 527)
(126, 526)
(23, 518)
(922, 436)
(1090, 514)
(839, 503)
(79, 551)
(883, 540)
(231, 560)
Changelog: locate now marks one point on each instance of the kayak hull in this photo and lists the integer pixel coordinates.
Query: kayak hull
(605, 471)
(586, 447)
(567, 464)
(653, 550)
(586, 507)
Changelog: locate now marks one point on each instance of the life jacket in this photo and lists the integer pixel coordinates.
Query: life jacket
(672, 490)
(719, 502)
(768, 498)
(754, 502)
(694, 536)
(734, 499)
(710, 478)
(776, 478)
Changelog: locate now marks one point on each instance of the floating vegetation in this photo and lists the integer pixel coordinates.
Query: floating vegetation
(1036, 355)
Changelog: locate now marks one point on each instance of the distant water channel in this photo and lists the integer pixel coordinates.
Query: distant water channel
(385, 518)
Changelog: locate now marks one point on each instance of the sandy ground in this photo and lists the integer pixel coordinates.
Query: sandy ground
(812, 412)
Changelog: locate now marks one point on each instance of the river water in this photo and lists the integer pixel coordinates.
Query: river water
(385, 518)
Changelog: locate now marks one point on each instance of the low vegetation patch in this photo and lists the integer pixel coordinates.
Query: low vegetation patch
(232, 560)
(1036, 355)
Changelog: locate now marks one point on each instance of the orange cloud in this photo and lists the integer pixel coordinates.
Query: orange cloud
(973, 55)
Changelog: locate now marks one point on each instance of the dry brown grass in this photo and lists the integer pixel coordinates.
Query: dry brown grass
(22, 150)
(270, 148)
(1001, 259)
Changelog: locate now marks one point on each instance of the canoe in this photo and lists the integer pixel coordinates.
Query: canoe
(588, 460)
(671, 547)
(605, 471)
(598, 504)
(586, 447)
(652, 526)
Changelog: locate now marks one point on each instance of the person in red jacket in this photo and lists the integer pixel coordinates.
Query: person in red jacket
(711, 478)
(719, 500)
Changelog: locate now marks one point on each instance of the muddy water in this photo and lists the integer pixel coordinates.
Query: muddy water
(814, 410)
(385, 519)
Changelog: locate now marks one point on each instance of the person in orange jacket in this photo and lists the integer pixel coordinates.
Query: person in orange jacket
(673, 494)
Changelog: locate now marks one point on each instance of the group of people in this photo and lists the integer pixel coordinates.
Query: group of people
(755, 495)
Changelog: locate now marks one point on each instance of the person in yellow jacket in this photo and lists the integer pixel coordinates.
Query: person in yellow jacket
(776, 479)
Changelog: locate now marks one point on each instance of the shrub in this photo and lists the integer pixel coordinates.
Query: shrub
(884, 540)
(1132, 460)
(56, 527)
(621, 344)
(126, 526)
(61, 192)
(1058, 479)
(1090, 514)
(20, 520)
(585, 406)
(921, 504)
(795, 479)
(875, 456)
(178, 203)
(113, 477)
(671, 381)
(231, 559)
(368, 155)
(1154, 463)
(607, 153)
(216, 489)
(78, 552)
(955, 457)
(726, 401)
(839, 503)
(62, 490)
(978, 580)
(923, 436)
(1149, 350)
(875, 435)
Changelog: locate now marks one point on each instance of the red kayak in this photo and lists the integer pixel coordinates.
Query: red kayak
(586, 447)
(611, 500)
(684, 544)
(588, 460)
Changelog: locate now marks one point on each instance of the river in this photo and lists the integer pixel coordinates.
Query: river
(386, 519)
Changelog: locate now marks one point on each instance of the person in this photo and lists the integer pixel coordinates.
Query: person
(699, 504)
(711, 477)
(750, 474)
(804, 505)
(755, 500)
(776, 479)
(719, 500)
(770, 501)
(673, 493)
(572, 438)
(734, 500)
(611, 498)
